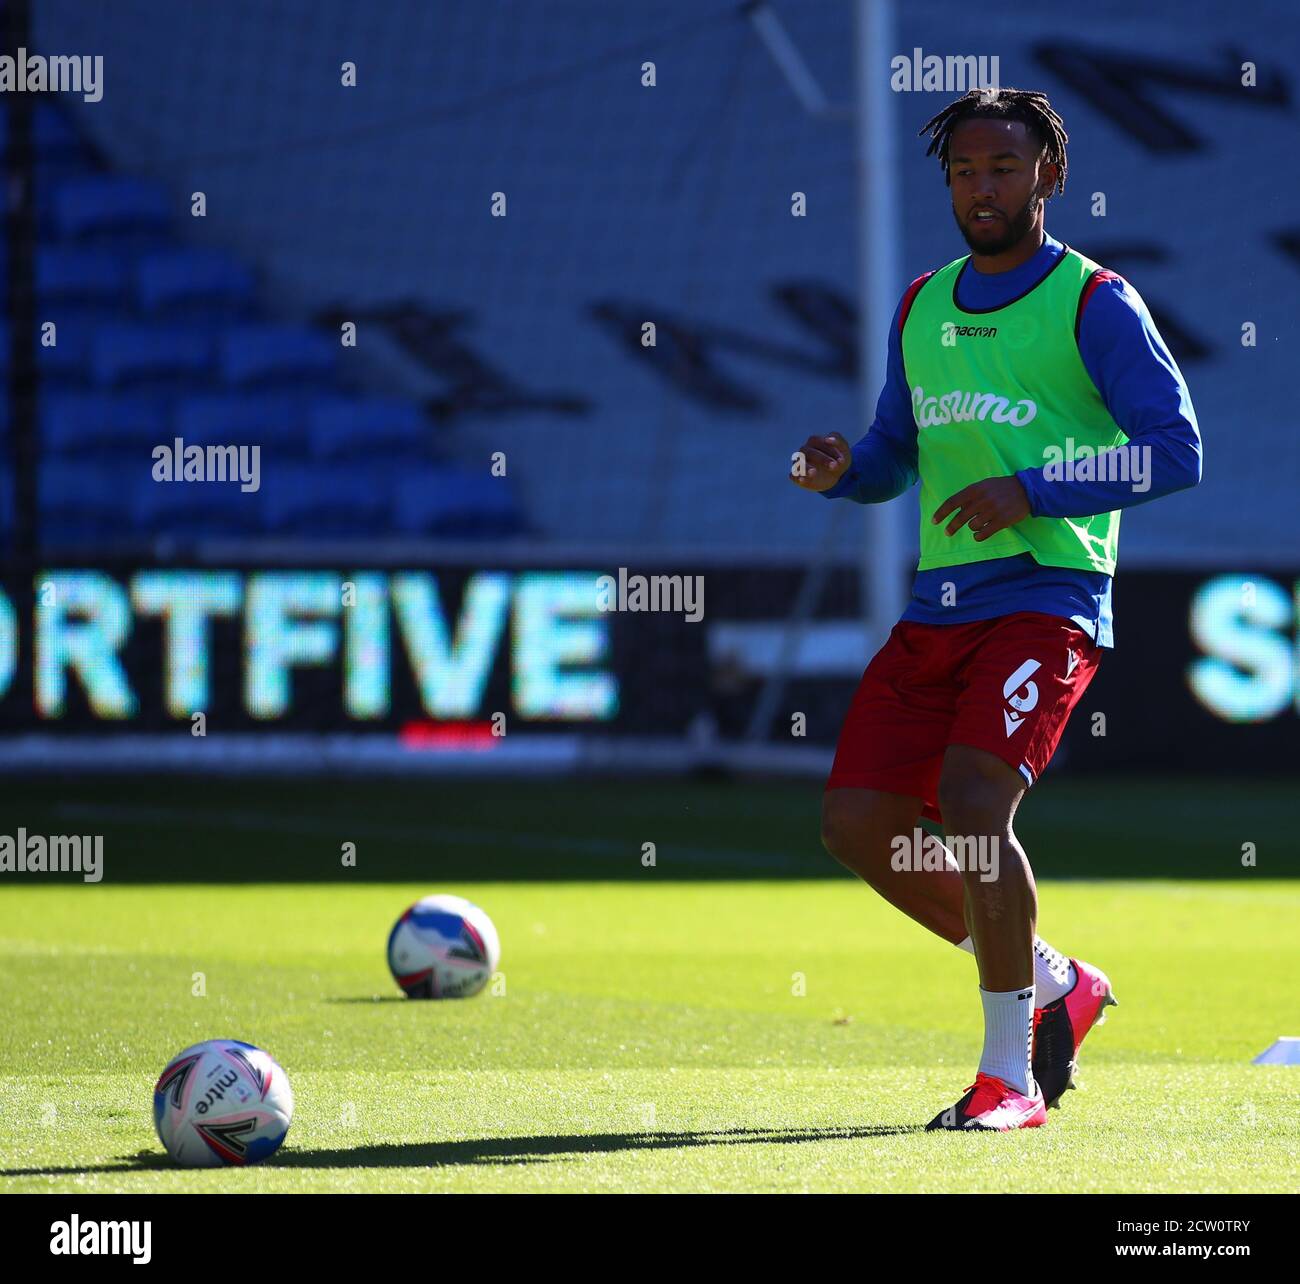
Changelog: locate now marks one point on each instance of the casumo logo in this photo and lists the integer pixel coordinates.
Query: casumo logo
(960, 407)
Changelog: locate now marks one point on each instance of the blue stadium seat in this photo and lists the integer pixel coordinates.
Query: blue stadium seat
(357, 427)
(100, 423)
(156, 355)
(67, 361)
(273, 420)
(60, 149)
(197, 509)
(191, 281)
(324, 501)
(53, 134)
(158, 341)
(111, 207)
(454, 501)
(87, 500)
(80, 275)
(276, 355)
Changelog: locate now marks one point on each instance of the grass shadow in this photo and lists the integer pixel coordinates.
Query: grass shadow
(501, 1150)
(368, 998)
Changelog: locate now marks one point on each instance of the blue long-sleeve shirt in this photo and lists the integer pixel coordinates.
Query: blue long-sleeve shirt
(1142, 389)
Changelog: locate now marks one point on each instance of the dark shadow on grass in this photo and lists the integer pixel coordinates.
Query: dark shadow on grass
(368, 998)
(503, 1150)
(143, 1161)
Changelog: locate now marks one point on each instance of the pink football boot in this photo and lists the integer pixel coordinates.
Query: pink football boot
(1061, 1027)
(991, 1106)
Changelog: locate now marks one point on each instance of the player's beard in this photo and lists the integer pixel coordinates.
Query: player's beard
(1017, 227)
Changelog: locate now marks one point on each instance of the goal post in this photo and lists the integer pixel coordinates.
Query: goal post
(884, 590)
(879, 530)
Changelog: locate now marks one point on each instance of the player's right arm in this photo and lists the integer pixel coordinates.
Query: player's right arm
(882, 464)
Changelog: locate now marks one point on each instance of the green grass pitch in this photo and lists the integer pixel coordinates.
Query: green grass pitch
(656, 1032)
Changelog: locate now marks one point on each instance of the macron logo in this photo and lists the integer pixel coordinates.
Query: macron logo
(102, 1239)
(1021, 695)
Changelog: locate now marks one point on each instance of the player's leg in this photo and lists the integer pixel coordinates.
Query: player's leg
(860, 828)
(1020, 686)
(978, 795)
(886, 775)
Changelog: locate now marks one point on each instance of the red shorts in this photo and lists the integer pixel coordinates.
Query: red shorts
(1006, 685)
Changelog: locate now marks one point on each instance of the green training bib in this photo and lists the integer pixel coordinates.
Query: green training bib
(997, 391)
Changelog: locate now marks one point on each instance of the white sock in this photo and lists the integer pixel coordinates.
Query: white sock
(1008, 1030)
(1054, 974)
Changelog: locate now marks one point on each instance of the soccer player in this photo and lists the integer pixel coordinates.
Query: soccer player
(1030, 393)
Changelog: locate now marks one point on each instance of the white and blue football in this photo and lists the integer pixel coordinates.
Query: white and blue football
(443, 947)
(222, 1102)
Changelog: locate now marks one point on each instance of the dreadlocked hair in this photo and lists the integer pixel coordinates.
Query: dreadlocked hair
(1025, 105)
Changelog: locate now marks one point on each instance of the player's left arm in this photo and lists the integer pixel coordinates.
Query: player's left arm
(1144, 392)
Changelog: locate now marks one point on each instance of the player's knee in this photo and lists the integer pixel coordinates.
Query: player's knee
(843, 818)
(849, 821)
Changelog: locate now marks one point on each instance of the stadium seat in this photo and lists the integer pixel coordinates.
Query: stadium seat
(65, 362)
(52, 131)
(54, 135)
(99, 423)
(157, 341)
(276, 355)
(191, 281)
(356, 427)
(80, 276)
(275, 421)
(86, 500)
(159, 355)
(110, 207)
(197, 509)
(454, 501)
(318, 500)
(60, 149)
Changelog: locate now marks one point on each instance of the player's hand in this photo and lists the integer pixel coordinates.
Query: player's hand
(986, 507)
(820, 462)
